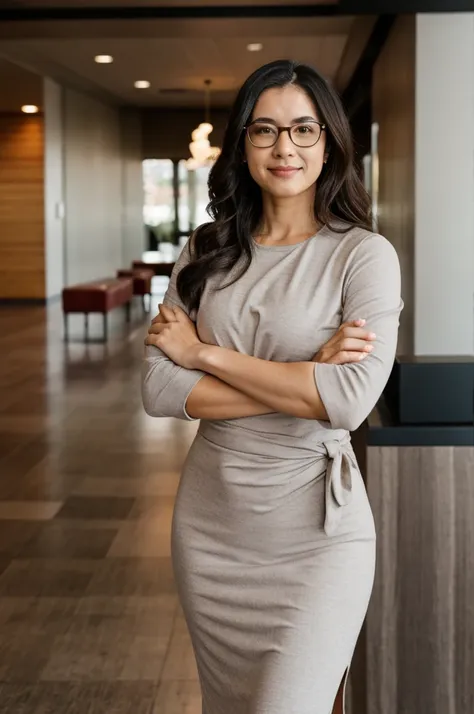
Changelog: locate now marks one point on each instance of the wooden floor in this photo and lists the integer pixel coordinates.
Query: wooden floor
(89, 618)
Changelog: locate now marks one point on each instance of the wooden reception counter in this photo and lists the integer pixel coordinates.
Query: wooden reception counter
(416, 652)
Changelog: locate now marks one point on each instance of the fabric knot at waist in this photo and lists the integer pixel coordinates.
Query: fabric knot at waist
(337, 453)
(338, 484)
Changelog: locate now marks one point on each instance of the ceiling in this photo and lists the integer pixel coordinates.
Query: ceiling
(154, 3)
(176, 56)
(18, 87)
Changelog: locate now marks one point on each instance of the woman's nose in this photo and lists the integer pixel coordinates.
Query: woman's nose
(284, 145)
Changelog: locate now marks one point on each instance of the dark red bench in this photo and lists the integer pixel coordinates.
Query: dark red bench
(158, 268)
(97, 296)
(141, 281)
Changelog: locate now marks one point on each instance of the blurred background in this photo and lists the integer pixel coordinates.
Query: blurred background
(111, 115)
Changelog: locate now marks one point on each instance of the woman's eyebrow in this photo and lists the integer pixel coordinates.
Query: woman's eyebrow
(299, 120)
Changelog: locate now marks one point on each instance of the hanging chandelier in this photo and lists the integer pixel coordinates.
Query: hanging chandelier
(202, 153)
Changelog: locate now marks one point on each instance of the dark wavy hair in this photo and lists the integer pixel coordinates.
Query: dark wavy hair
(235, 198)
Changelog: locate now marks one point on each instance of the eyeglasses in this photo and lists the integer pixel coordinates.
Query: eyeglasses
(304, 135)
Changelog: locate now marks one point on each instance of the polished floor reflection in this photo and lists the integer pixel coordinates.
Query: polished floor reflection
(89, 618)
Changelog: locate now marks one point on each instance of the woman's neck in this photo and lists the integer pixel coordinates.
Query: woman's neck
(287, 220)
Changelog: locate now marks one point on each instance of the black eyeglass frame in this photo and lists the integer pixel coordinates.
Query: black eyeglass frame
(281, 129)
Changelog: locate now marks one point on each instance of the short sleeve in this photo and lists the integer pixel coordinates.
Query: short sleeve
(165, 385)
(371, 291)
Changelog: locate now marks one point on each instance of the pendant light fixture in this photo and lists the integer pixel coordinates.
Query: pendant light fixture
(202, 153)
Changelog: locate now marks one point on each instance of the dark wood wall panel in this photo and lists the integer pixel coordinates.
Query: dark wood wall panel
(21, 206)
(420, 625)
(393, 108)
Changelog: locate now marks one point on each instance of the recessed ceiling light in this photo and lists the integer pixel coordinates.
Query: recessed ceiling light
(103, 59)
(255, 47)
(29, 109)
(142, 84)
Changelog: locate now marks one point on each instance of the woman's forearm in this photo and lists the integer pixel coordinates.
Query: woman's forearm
(211, 398)
(286, 387)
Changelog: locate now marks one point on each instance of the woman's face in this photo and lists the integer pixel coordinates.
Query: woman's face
(285, 170)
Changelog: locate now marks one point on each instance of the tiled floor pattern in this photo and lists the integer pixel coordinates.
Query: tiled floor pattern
(89, 618)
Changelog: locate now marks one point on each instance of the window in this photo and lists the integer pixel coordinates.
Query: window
(172, 214)
(193, 197)
(158, 209)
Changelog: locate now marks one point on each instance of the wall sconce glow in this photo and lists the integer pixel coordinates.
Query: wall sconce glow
(255, 47)
(29, 109)
(142, 84)
(103, 59)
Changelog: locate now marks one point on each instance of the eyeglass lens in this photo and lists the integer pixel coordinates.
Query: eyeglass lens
(266, 135)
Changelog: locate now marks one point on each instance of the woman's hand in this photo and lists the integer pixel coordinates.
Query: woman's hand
(349, 344)
(175, 334)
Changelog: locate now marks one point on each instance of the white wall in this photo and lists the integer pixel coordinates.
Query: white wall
(444, 185)
(103, 188)
(133, 229)
(53, 188)
(93, 188)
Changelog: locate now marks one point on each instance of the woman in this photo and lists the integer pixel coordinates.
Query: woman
(262, 337)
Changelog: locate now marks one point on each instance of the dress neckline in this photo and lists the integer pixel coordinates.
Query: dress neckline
(288, 246)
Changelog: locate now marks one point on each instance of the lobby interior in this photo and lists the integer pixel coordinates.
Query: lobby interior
(98, 179)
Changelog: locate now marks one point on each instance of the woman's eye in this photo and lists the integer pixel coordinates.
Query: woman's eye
(304, 129)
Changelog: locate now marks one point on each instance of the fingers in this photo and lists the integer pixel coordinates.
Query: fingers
(348, 357)
(349, 344)
(158, 327)
(151, 340)
(357, 332)
(352, 344)
(180, 315)
(173, 313)
(168, 312)
(352, 323)
(340, 357)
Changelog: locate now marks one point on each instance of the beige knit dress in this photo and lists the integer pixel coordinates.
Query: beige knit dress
(273, 539)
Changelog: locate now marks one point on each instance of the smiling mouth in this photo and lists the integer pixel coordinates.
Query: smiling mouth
(284, 170)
